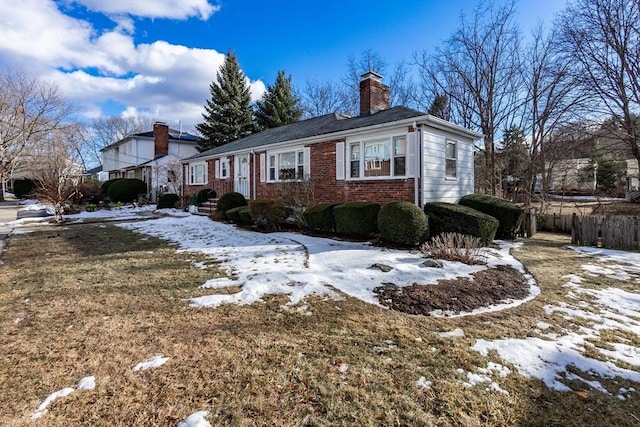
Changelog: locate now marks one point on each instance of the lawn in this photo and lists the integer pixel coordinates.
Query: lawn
(92, 301)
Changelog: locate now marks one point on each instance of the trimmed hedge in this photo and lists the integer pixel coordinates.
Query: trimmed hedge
(452, 218)
(320, 217)
(403, 223)
(23, 187)
(168, 200)
(229, 201)
(267, 214)
(509, 216)
(126, 190)
(356, 218)
(234, 214)
(105, 185)
(245, 215)
(204, 195)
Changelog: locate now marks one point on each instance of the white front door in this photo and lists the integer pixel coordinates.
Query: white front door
(241, 171)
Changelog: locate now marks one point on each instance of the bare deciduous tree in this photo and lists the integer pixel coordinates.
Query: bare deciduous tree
(479, 69)
(29, 108)
(321, 98)
(107, 130)
(602, 40)
(57, 168)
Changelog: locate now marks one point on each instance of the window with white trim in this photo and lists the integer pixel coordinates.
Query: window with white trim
(378, 158)
(224, 168)
(286, 166)
(451, 159)
(197, 173)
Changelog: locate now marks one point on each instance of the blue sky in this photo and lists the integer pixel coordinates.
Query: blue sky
(157, 57)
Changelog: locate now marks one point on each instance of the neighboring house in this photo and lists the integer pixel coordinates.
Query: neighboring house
(382, 155)
(154, 157)
(95, 174)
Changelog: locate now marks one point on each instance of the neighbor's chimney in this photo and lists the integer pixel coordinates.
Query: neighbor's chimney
(374, 95)
(160, 139)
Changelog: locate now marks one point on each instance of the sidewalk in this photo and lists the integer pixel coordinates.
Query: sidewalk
(8, 210)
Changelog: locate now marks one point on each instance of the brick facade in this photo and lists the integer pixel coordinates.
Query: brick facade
(160, 139)
(374, 95)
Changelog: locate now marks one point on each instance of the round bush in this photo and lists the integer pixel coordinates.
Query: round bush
(168, 200)
(356, 218)
(105, 185)
(126, 190)
(403, 223)
(229, 201)
(239, 215)
(22, 187)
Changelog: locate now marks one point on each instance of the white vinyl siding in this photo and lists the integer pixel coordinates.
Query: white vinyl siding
(437, 186)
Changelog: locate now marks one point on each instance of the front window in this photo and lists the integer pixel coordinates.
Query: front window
(381, 158)
(224, 168)
(197, 174)
(287, 166)
(451, 168)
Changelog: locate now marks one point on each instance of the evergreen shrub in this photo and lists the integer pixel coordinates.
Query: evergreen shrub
(204, 195)
(452, 218)
(320, 217)
(267, 214)
(245, 215)
(126, 190)
(509, 216)
(234, 214)
(23, 187)
(356, 218)
(168, 200)
(403, 223)
(229, 201)
(105, 185)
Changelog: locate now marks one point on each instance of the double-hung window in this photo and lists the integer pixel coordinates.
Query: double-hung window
(286, 166)
(384, 157)
(197, 173)
(224, 168)
(451, 159)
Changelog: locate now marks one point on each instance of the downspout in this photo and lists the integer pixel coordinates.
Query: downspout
(417, 172)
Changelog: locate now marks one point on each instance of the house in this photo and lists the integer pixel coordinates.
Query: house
(95, 174)
(382, 155)
(154, 157)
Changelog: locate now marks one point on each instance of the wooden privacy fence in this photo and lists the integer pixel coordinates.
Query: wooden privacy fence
(612, 232)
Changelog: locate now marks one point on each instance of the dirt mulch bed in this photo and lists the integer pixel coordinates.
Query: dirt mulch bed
(454, 296)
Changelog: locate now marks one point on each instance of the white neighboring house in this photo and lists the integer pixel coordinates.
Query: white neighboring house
(153, 157)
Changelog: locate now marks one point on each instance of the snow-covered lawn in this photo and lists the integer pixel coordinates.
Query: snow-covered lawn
(596, 342)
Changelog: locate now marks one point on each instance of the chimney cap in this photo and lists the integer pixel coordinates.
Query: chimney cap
(371, 75)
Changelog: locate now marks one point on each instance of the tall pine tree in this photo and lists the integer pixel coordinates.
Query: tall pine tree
(280, 105)
(228, 114)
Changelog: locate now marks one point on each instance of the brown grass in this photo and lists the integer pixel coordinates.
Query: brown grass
(97, 300)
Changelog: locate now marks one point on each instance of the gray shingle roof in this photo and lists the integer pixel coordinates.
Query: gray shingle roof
(316, 126)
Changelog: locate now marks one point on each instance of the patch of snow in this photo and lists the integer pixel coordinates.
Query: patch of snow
(423, 383)
(42, 409)
(154, 362)
(343, 368)
(17, 320)
(87, 383)
(455, 333)
(221, 282)
(297, 265)
(484, 375)
(197, 419)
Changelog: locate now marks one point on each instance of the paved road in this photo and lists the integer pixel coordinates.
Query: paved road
(8, 210)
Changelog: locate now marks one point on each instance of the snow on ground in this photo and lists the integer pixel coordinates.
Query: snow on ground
(196, 419)
(547, 358)
(298, 265)
(86, 383)
(154, 362)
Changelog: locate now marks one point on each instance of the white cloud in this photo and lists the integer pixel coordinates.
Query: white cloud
(92, 66)
(172, 9)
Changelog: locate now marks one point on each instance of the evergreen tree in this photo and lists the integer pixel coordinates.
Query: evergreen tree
(440, 107)
(228, 114)
(280, 105)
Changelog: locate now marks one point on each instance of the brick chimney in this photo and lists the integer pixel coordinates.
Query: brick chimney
(374, 95)
(160, 139)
